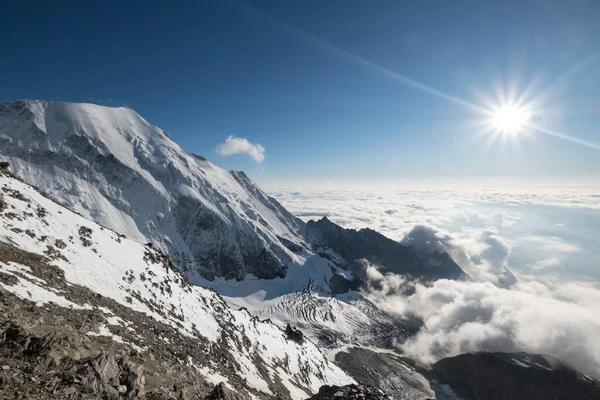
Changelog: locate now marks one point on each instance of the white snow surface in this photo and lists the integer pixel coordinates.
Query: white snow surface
(519, 363)
(33, 288)
(104, 266)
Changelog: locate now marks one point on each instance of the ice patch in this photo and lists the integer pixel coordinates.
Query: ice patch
(519, 363)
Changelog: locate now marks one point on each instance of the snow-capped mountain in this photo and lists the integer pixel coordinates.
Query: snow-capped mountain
(86, 278)
(113, 167)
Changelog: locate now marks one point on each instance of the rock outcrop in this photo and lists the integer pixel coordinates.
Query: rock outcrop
(518, 376)
(348, 392)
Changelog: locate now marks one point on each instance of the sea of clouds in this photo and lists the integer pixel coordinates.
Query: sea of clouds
(548, 237)
(541, 230)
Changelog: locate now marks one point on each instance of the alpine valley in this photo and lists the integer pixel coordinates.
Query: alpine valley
(130, 268)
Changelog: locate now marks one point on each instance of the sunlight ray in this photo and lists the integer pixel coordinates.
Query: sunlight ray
(505, 98)
(563, 136)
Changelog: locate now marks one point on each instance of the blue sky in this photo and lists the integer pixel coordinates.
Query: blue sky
(299, 78)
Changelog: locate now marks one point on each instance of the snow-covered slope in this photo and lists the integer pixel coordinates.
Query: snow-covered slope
(113, 167)
(138, 278)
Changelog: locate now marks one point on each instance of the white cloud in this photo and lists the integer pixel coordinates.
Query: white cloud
(505, 220)
(434, 197)
(552, 243)
(547, 263)
(517, 227)
(236, 145)
(480, 252)
(557, 319)
(386, 290)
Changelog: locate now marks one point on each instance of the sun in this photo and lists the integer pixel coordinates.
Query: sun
(509, 119)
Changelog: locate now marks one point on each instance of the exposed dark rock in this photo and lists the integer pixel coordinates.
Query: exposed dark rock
(294, 334)
(41, 212)
(295, 247)
(518, 376)
(358, 392)
(389, 255)
(233, 256)
(386, 371)
(7, 279)
(222, 392)
(85, 235)
(16, 194)
(54, 254)
(51, 366)
(340, 284)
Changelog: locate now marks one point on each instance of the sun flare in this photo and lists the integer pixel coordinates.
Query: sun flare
(510, 119)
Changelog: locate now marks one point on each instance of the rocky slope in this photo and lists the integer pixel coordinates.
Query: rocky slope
(86, 310)
(474, 376)
(388, 371)
(354, 392)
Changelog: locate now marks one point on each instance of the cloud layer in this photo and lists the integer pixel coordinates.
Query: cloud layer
(483, 229)
(557, 319)
(236, 145)
(395, 211)
(480, 252)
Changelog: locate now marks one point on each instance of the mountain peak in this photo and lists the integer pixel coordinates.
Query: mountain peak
(112, 166)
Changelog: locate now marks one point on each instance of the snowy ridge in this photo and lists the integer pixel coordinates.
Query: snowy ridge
(139, 278)
(113, 167)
